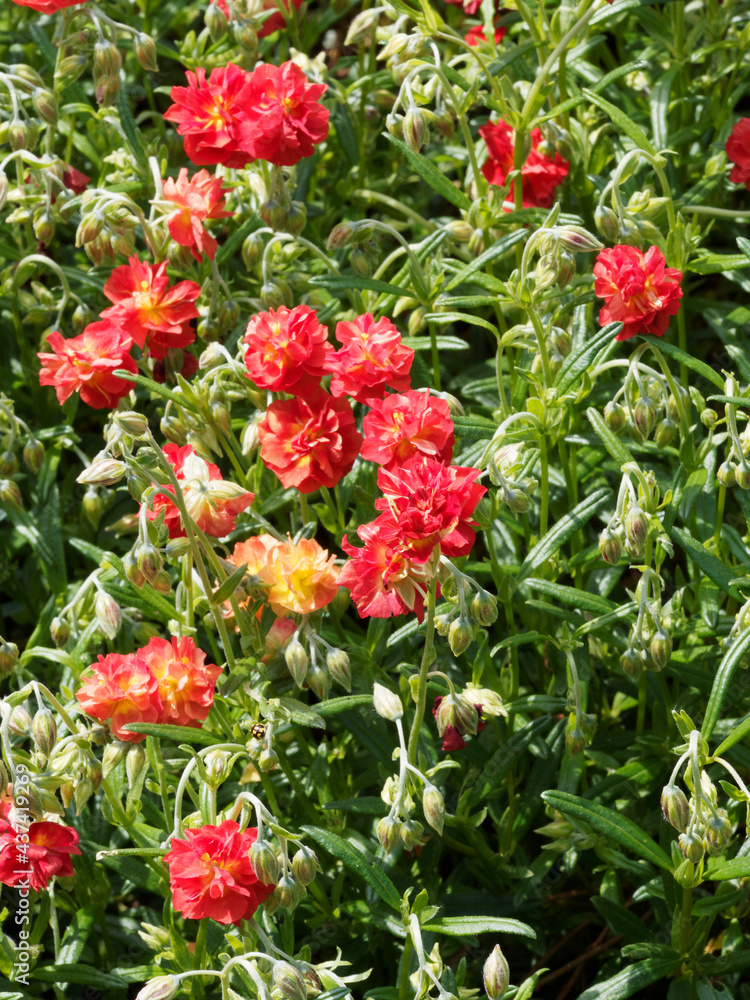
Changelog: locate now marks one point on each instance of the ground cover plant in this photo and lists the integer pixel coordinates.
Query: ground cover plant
(374, 499)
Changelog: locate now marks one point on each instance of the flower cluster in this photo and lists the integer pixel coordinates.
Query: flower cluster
(211, 876)
(235, 117)
(540, 174)
(146, 311)
(212, 502)
(165, 681)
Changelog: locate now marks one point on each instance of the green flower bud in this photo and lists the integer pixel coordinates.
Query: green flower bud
(59, 630)
(108, 614)
(483, 608)
(615, 416)
(319, 681)
(216, 22)
(675, 807)
(666, 433)
(717, 833)
(742, 475)
(135, 761)
(288, 981)
(433, 807)
(10, 495)
(216, 763)
(632, 663)
(20, 721)
(268, 759)
(144, 49)
(296, 659)
(644, 416)
(288, 892)
(105, 473)
(496, 974)
(386, 703)
(264, 862)
(411, 834)
(113, 754)
(44, 731)
(252, 248)
(337, 662)
(33, 454)
(636, 527)
(134, 424)
(8, 464)
(305, 865)
(607, 223)
(726, 474)
(388, 834)
(691, 846)
(610, 546)
(661, 649)
(461, 635)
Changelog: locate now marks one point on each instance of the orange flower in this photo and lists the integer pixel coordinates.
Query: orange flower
(286, 350)
(186, 682)
(122, 690)
(85, 364)
(638, 289)
(199, 199)
(301, 577)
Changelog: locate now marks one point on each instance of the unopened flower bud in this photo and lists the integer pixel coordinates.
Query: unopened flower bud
(607, 223)
(615, 416)
(305, 865)
(216, 763)
(661, 649)
(296, 659)
(341, 236)
(386, 703)
(246, 36)
(566, 268)
(296, 218)
(69, 69)
(388, 834)
(433, 806)
(416, 129)
(59, 630)
(144, 50)
(644, 416)
(288, 981)
(264, 862)
(726, 474)
(610, 546)
(666, 433)
(339, 668)
(20, 721)
(8, 463)
(163, 583)
(135, 761)
(636, 527)
(113, 754)
(149, 561)
(268, 759)
(319, 681)
(216, 21)
(10, 495)
(461, 635)
(496, 974)
(483, 607)
(675, 807)
(709, 418)
(742, 476)
(717, 833)
(632, 663)
(4, 188)
(273, 214)
(252, 249)
(44, 730)
(83, 792)
(288, 892)
(105, 473)
(411, 834)
(577, 240)
(33, 454)
(45, 105)
(134, 424)
(691, 847)
(108, 614)
(160, 988)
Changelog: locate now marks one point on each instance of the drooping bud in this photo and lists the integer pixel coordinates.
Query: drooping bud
(726, 474)
(305, 865)
(59, 630)
(319, 681)
(433, 807)
(144, 50)
(288, 892)
(615, 416)
(484, 607)
(134, 424)
(268, 759)
(45, 105)
(607, 223)
(113, 754)
(636, 528)
(20, 721)
(610, 546)
(496, 974)
(337, 662)
(108, 614)
(717, 833)
(10, 495)
(666, 433)
(416, 129)
(33, 454)
(252, 249)
(644, 416)
(386, 703)
(288, 981)
(632, 663)
(692, 847)
(461, 635)
(264, 862)
(411, 833)
(742, 475)
(661, 649)
(160, 988)
(216, 22)
(134, 763)
(44, 731)
(675, 807)
(388, 833)
(296, 659)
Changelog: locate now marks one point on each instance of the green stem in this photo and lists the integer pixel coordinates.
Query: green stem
(544, 513)
(719, 514)
(685, 917)
(435, 356)
(427, 658)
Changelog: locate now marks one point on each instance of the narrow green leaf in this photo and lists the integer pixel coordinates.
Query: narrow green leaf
(562, 531)
(744, 246)
(723, 681)
(739, 732)
(76, 934)
(178, 734)
(475, 428)
(621, 120)
(659, 99)
(129, 127)
(501, 247)
(707, 562)
(442, 342)
(611, 825)
(228, 587)
(689, 361)
(431, 175)
(733, 400)
(632, 979)
(443, 318)
(156, 388)
(617, 449)
(716, 263)
(580, 599)
(346, 282)
(736, 868)
(356, 862)
(301, 713)
(578, 362)
(624, 611)
(84, 975)
(490, 780)
(336, 705)
(465, 926)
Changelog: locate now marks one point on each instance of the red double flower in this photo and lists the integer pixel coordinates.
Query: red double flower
(638, 289)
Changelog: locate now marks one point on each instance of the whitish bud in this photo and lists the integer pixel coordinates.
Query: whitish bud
(434, 808)
(337, 662)
(20, 721)
(134, 424)
(44, 730)
(161, 988)
(496, 974)
(264, 862)
(577, 239)
(216, 763)
(675, 807)
(388, 834)
(108, 614)
(296, 659)
(386, 703)
(134, 763)
(288, 981)
(268, 759)
(362, 27)
(305, 865)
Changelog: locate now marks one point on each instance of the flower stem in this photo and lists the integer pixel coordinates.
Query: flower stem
(427, 656)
